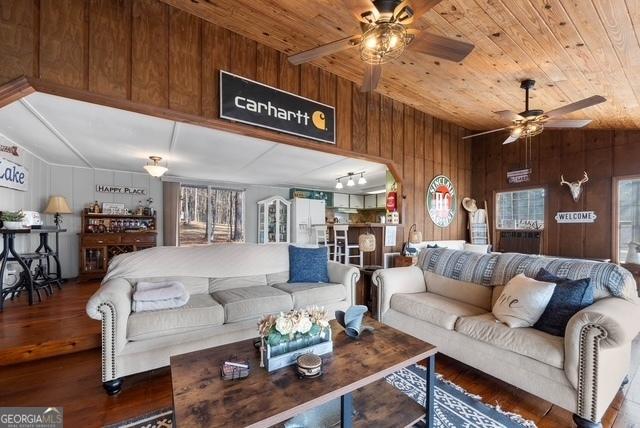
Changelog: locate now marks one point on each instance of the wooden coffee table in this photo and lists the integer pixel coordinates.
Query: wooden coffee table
(354, 373)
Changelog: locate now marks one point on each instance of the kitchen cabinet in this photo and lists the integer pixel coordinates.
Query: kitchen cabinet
(370, 201)
(381, 200)
(340, 200)
(356, 201)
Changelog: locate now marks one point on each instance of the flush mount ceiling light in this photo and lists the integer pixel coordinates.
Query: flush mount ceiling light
(362, 180)
(339, 184)
(155, 169)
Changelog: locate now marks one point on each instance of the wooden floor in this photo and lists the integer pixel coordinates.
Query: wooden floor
(73, 380)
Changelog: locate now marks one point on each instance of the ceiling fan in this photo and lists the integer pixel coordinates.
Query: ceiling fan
(386, 34)
(532, 122)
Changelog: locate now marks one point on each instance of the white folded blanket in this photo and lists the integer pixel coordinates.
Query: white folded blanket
(151, 296)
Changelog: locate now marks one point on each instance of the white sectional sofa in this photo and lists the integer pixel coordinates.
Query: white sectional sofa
(231, 287)
(448, 301)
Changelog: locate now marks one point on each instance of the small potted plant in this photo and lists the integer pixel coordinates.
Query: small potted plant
(12, 219)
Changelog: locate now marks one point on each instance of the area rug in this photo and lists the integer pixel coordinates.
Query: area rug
(454, 407)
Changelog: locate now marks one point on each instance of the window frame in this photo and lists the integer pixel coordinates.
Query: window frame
(210, 187)
(615, 218)
(545, 209)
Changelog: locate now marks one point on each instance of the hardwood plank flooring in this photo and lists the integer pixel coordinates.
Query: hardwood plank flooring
(73, 380)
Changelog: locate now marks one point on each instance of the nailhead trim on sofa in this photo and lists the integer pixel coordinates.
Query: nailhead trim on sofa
(582, 412)
(103, 308)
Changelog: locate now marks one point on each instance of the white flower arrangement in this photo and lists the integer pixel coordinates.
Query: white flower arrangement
(308, 322)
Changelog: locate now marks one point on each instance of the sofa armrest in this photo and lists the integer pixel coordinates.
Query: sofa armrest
(397, 280)
(112, 305)
(598, 351)
(347, 275)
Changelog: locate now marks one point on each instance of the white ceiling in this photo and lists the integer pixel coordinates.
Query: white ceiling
(63, 131)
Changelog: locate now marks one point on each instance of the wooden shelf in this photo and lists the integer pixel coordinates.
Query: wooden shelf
(103, 215)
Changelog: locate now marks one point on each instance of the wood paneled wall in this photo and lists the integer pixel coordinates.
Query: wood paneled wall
(602, 154)
(150, 53)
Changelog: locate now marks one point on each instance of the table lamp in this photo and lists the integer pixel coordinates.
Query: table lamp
(415, 237)
(57, 205)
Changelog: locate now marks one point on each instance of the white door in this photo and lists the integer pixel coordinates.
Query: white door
(317, 212)
(340, 200)
(370, 201)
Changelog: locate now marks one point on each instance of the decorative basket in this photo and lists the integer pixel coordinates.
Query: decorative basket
(286, 354)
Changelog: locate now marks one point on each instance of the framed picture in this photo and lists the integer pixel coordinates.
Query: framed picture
(113, 208)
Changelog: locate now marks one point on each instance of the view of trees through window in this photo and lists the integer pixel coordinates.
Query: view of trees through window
(628, 216)
(209, 214)
(520, 210)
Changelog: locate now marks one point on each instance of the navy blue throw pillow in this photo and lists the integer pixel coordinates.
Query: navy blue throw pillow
(433, 246)
(569, 297)
(308, 264)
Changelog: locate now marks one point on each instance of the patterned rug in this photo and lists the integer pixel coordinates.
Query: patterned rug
(454, 407)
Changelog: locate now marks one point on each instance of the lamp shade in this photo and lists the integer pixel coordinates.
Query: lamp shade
(57, 205)
(415, 237)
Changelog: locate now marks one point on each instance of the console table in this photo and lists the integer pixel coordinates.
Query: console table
(42, 252)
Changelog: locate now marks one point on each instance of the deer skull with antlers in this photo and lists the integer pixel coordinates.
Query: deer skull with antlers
(575, 186)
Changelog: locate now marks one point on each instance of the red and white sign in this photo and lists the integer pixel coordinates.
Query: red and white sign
(442, 201)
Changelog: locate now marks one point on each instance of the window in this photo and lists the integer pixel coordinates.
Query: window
(628, 216)
(520, 210)
(209, 214)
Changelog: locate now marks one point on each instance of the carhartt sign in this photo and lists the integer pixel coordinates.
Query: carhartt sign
(576, 217)
(123, 190)
(247, 101)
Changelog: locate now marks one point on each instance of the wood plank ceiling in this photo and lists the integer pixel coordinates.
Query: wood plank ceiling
(572, 48)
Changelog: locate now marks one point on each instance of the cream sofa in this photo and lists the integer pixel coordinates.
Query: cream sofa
(231, 287)
(580, 372)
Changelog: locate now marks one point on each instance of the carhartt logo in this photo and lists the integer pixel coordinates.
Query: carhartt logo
(319, 120)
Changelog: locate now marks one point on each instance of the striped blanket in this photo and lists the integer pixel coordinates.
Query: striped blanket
(608, 279)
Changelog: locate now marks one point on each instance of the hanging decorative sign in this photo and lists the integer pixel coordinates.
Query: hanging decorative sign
(519, 176)
(247, 101)
(13, 176)
(442, 201)
(576, 217)
(9, 149)
(123, 190)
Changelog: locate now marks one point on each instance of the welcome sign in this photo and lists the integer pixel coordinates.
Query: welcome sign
(13, 176)
(247, 101)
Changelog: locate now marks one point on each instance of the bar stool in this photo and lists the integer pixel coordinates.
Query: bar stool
(343, 249)
(322, 239)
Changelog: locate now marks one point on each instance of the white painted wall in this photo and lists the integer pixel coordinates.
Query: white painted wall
(78, 186)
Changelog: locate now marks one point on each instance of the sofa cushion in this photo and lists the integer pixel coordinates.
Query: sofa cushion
(529, 342)
(308, 294)
(308, 264)
(433, 308)
(217, 284)
(277, 278)
(467, 292)
(523, 301)
(200, 311)
(569, 297)
(246, 303)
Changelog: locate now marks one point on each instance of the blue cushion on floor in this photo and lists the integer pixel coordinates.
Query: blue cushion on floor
(569, 297)
(308, 264)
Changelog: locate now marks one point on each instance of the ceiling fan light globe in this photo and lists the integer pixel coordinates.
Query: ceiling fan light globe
(383, 42)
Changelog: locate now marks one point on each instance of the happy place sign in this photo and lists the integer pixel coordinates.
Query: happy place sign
(247, 101)
(13, 176)
(123, 190)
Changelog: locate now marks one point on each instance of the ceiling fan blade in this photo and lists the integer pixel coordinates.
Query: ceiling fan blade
(484, 133)
(514, 136)
(324, 50)
(567, 123)
(361, 7)
(509, 116)
(420, 7)
(578, 105)
(371, 78)
(441, 47)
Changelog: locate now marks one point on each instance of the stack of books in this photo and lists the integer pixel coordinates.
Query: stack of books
(235, 368)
